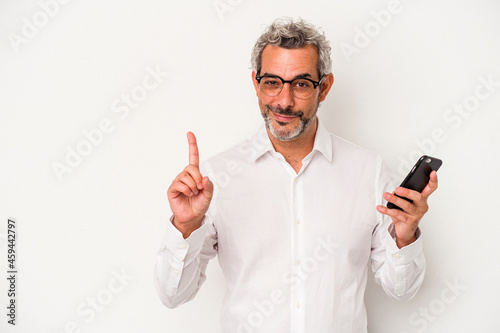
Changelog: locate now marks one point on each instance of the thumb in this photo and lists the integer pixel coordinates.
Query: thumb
(208, 188)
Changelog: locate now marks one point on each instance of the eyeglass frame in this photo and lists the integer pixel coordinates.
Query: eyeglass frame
(258, 78)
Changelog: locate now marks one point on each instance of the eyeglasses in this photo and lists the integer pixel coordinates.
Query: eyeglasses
(271, 85)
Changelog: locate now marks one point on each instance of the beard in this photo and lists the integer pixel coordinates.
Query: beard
(279, 131)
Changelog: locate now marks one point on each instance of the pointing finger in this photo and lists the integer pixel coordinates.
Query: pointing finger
(194, 158)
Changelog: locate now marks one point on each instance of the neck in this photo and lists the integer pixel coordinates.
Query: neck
(294, 151)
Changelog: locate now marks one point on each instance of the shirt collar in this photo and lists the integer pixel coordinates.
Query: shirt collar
(261, 143)
(322, 142)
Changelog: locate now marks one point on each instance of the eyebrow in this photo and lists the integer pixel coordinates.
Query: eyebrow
(300, 76)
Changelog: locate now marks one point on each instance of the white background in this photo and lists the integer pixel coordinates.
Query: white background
(108, 214)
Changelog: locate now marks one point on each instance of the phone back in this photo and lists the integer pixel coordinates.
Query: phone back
(419, 176)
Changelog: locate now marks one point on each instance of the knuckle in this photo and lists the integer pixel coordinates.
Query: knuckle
(184, 188)
(408, 210)
(191, 169)
(405, 205)
(185, 174)
(174, 185)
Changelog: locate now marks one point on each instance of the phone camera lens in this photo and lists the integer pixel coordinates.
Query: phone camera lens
(427, 160)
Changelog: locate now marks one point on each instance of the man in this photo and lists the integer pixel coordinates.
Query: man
(293, 217)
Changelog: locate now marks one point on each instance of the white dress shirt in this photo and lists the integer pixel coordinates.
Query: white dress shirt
(294, 247)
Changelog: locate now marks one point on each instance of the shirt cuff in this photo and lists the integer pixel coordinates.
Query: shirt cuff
(406, 254)
(184, 249)
(402, 259)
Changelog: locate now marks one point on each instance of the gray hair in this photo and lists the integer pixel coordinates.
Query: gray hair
(284, 32)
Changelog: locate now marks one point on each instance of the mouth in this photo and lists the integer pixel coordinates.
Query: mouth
(283, 118)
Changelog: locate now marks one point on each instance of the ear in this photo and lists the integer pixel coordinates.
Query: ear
(326, 86)
(255, 83)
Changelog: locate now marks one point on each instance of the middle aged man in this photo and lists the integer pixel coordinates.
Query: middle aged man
(293, 211)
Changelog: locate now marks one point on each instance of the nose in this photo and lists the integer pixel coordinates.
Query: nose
(285, 97)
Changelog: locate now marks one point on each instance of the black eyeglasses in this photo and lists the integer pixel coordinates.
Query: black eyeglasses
(271, 85)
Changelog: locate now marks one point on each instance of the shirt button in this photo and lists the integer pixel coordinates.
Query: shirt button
(397, 256)
(182, 246)
(296, 180)
(176, 272)
(400, 279)
(297, 221)
(297, 261)
(297, 305)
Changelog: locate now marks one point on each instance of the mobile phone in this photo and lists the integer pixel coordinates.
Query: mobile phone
(419, 176)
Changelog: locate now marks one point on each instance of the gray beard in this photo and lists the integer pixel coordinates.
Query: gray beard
(287, 135)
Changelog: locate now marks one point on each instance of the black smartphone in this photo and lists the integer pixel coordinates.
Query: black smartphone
(419, 176)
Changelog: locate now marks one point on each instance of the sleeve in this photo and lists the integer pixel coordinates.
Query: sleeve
(400, 272)
(181, 263)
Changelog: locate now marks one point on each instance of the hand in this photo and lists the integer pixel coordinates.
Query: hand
(406, 221)
(190, 194)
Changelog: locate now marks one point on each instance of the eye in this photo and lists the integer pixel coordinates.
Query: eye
(302, 84)
(270, 82)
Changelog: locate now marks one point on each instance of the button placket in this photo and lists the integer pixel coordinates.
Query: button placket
(298, 291)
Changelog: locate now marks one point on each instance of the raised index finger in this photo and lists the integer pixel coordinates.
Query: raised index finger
(194, 158)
